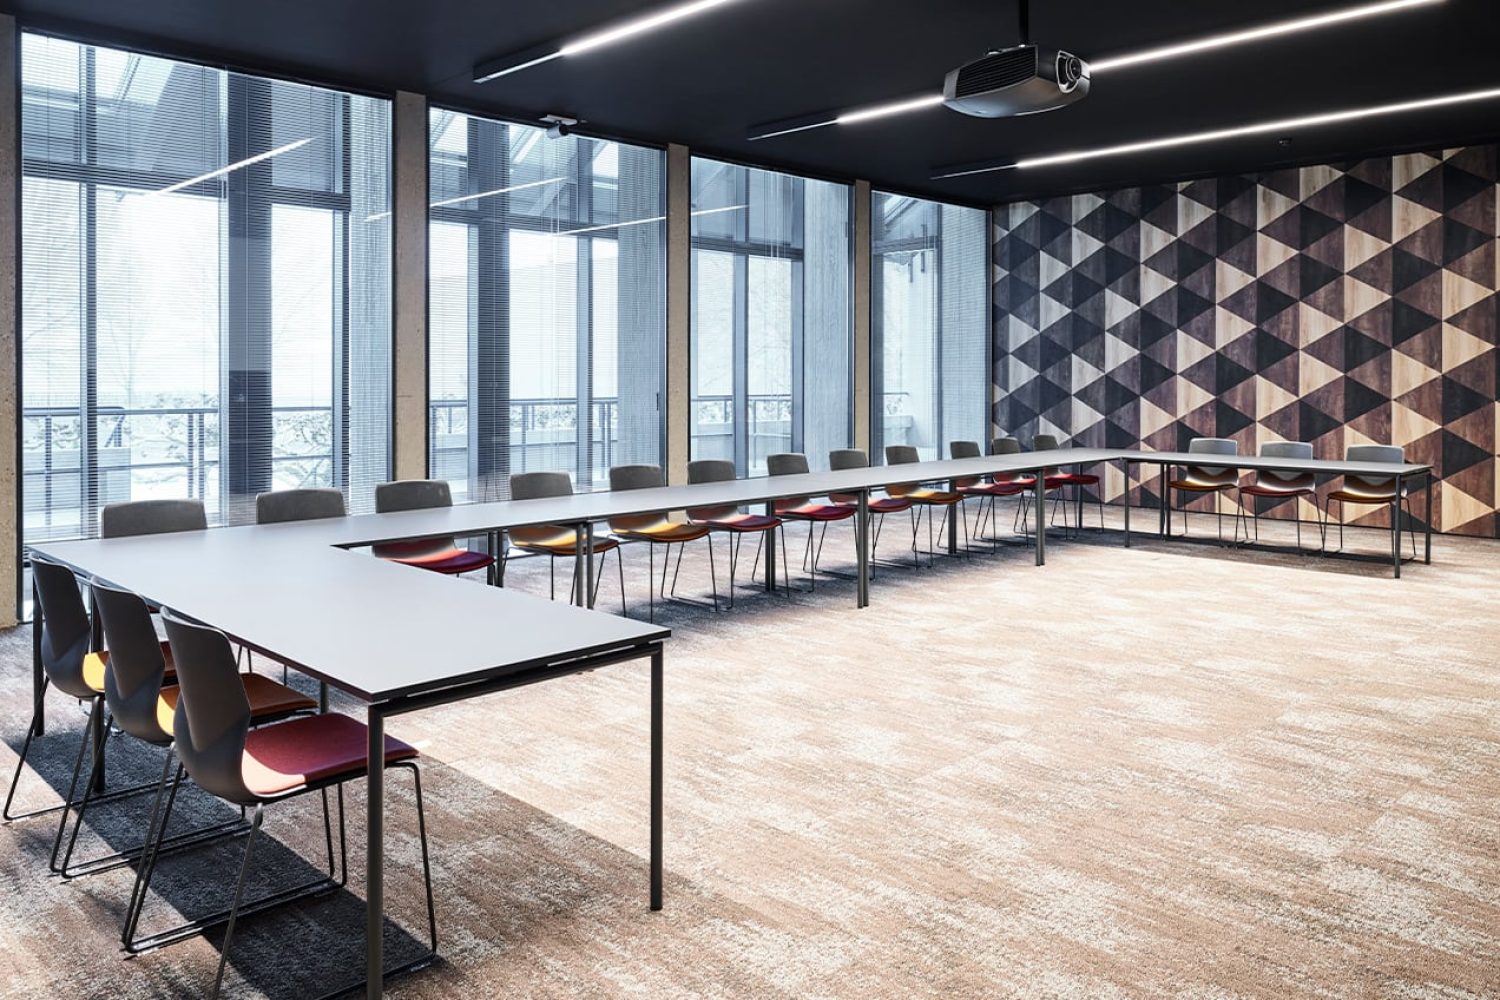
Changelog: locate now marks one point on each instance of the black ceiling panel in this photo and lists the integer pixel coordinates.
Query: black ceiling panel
(705, 80)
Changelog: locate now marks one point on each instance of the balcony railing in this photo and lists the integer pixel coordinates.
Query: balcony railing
(768, 424)
(543, 438)
(147, 452)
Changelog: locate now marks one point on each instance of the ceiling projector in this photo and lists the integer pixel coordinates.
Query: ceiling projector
(1021, 80)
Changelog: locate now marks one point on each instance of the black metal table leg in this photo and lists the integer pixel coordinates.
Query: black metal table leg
(1126, 469)
(771, 548)
(1427, 533)
(375, 855)
(588, 562)
(1396, 533)
(657, 661)
(38, 675)
(952, 521)
(862, 539)
(1041, 517)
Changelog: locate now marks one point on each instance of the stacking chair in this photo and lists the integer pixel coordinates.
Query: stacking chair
(656, 529)
(855, 458)
(140, 701)
(65, 634)
(730, 519)
(805, 509)
(1012, 446)
(1371, 491)
(923, 496)
(440, 555)
(258, 767)
(554, 540)
(298, 505)
(151, 517)
(984, 488)
(1209, 480)
(1074, 480)
(1281, 486)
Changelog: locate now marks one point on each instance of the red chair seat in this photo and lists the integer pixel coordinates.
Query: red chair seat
(743, 522)
(284, 757)
(889, 505)
(1056, 481)
(1000, 489)
(450, 561)
(1025, 482)
(1075, 478)
(818, 512)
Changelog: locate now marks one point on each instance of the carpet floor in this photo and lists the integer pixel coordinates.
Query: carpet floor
(1175, 770)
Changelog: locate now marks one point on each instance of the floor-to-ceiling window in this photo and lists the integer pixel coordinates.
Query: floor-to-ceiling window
(930, 312)
(547, 304)
(205, 286)
(772, 315)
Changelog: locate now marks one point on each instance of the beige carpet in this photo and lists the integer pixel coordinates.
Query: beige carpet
(1169, 771)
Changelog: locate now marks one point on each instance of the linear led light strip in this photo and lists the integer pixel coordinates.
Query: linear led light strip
(475, 197)
(506, 65)
(258, 157)
(1281, 125)
(1313, 23)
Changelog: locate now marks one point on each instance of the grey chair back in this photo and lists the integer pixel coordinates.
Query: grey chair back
(1287, 449)
(847, 458)
(151, 517)
(964, 449)
(711, 470)
(412, 494)
(1044, 442)
(65, 627)
(1213, 473)
(636, 477)
(537, 486)
(132, 684)
(298, 505)
(901, 454)
(213, 712)
(1005, 446)
(789, 463)
(1384, 453)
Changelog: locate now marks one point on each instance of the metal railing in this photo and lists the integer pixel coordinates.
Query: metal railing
(543, 437)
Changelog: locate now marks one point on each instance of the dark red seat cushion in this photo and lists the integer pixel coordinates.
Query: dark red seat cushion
(1075, 478)
(889, 505)
(1261, 490)
(452, 561)
(818, 512)
(743, 522)
(318, 748)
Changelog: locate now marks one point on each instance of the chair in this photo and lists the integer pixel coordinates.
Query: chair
(1371, 491)
(1076, 480)
(922, 496)
(140, 695)
(1209, 480)
(656, 529)
(730, 519)
(440, 555)
(855, 458)
(983, 487)
(1012, 446)
(298, 505)
(67, 664)
(258, 767)
(553, 540)
(1281, 486)
(804, 509)
(151, 517)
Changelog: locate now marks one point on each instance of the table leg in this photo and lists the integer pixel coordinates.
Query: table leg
(1126, 466)
(1428, 532)
(1396, 536)
(862, 539)
(375, 855)
(578, 561)
(656, 773)
(588, 562)
(38, 675)
(953, 520)
(1164, 525)
(322, 697)
(771, 548)
(1078, 498)
(101, 724)
(1041, 517)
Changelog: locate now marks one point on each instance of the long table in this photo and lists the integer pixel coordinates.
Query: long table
(401, 639)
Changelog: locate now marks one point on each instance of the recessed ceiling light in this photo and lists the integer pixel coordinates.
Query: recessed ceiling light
(504, 66)
(1194, 138)
(791, 125)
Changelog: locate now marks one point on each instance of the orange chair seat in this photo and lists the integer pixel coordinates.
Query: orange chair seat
(312, 750)
(268, 700)
(742, 522)
(923, 494)
(1001, 489)
(818, 512)
(564, 543)
(1368, 495)
(665, 531)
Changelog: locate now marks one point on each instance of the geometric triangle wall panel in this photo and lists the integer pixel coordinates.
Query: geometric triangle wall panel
(1335, 304)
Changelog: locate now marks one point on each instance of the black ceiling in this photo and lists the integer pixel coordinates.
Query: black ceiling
(703, 81)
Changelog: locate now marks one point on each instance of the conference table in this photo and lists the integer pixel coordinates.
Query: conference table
(401, 639)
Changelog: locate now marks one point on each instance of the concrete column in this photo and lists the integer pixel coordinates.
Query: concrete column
(862, 331)
(641, 311)
(10, 382)
(826, 363)
(409, 237)
(679, 310)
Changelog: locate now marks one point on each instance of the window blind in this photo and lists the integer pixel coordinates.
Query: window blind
(930, 312)
(772, 315)
(206, 286)
(547, 304)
